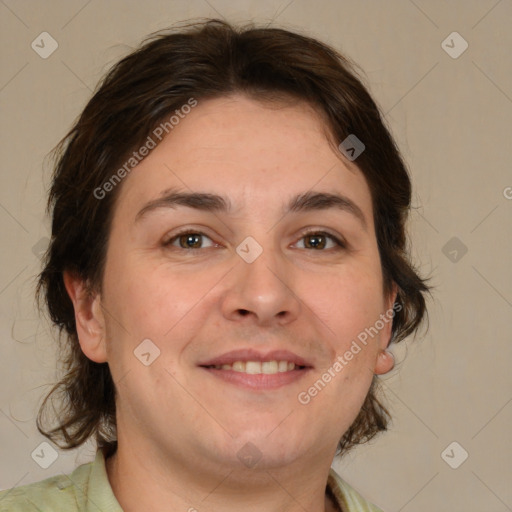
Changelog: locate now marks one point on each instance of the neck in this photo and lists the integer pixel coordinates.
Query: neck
(142, 480)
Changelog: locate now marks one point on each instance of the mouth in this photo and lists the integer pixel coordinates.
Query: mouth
(258, 367)
(250, 369)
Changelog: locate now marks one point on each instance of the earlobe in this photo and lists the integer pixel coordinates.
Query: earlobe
(385, 362)
(89, 318)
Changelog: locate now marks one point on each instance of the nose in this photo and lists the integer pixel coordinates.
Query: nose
(261, 292)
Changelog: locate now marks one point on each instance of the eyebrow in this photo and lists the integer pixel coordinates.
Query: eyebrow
(305, 202)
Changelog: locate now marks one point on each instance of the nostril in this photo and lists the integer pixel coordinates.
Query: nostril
(243, 312)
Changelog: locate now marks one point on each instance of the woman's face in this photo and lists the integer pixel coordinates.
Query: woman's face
(220, 314)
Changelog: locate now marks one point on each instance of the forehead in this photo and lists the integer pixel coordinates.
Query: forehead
(249, 151)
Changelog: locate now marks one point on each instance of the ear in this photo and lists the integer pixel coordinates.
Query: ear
(89, 318)
(385, 360)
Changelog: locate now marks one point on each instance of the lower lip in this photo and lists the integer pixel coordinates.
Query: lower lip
(259, 380)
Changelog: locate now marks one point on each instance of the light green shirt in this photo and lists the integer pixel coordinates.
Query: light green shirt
(87, 489)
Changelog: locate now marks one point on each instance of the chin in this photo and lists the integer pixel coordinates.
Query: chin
(268, 448)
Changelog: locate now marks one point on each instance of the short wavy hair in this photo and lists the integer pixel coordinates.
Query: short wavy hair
(205, 60)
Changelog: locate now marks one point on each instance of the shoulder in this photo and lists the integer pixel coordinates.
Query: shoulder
(66, 493)
(53, 493)
(348, 498)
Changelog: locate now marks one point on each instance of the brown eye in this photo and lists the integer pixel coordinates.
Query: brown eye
(315, 241)
(188, 240)
(320, 240)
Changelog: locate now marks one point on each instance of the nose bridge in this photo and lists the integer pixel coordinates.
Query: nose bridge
(261, 285)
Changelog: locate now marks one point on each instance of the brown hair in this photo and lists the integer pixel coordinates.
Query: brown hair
(203, 61)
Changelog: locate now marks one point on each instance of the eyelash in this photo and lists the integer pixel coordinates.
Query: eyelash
(339, 242)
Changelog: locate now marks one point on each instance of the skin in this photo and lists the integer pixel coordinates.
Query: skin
(179, 427)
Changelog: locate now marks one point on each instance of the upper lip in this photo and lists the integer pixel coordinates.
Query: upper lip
(254, 355)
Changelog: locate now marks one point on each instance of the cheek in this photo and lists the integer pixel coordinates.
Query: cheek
(149, 299)
(348, 302)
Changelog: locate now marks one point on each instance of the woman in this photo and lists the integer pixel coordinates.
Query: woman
(228, 265)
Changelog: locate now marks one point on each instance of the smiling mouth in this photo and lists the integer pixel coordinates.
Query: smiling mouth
(258, 367)
(258, 375)
(250, 369)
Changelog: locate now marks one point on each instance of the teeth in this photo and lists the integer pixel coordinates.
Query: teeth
(270, 367)
(252, 367)
(257, 367)
(239, 366)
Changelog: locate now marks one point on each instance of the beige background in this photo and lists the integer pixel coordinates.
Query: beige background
(452, 119)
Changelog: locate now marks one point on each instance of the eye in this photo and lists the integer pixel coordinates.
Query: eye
(188, 240)
(320, 240)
